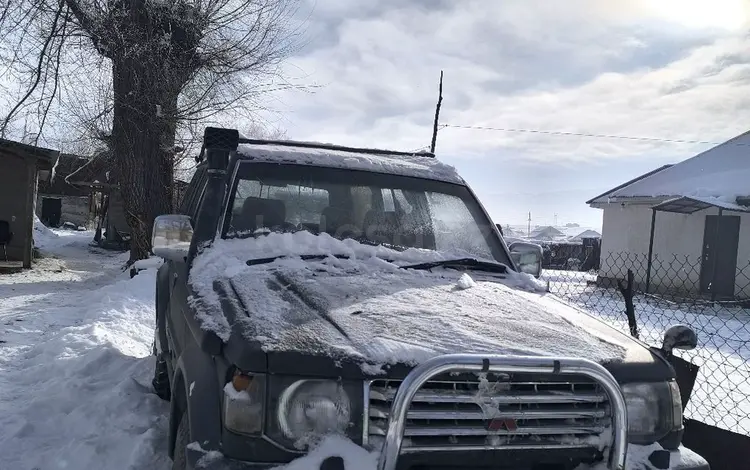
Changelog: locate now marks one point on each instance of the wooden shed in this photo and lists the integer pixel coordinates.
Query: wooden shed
(21, 165)
(60, 200)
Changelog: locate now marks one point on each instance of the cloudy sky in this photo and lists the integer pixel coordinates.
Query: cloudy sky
(664, 69)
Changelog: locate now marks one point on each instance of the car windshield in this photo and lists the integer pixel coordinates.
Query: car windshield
(373, 208)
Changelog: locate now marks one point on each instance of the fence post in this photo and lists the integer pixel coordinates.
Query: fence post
(712, 284)
(628, 292)
(650, 250)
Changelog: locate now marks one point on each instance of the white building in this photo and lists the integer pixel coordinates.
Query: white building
(689, 222)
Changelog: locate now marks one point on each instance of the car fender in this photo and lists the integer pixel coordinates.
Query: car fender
(196, 389)
(161, 301)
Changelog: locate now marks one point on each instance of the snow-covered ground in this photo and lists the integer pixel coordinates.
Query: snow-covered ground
(75, 341)
(720, 394)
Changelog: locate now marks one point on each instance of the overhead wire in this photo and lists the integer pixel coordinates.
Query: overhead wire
(585, 134)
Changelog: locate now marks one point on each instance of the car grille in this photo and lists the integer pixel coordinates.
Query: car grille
(494, 411)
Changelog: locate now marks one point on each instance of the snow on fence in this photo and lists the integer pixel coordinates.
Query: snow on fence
(675, 294)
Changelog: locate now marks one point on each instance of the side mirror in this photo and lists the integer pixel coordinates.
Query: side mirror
(171, 236)
(679, 337)
(528, 257)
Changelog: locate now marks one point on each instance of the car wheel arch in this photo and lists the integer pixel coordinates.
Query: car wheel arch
(196, 390)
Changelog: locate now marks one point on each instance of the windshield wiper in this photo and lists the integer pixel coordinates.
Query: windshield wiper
(368, 242)
(470, 263)
(254, 262)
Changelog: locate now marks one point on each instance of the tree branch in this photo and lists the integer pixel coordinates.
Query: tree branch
(88, 25)
(55, 85)
(38, 72)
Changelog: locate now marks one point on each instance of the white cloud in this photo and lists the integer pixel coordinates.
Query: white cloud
(621, 68)
(674, 69)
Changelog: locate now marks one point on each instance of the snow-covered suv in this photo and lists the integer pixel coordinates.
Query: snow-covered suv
(312, 291)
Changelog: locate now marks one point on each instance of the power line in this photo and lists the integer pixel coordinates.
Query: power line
(583, 134)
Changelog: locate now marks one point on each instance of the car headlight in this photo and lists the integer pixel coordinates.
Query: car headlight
(654, 410)
(313, 408)
(244, 403)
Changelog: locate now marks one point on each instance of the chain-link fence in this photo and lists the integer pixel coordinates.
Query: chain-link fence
(680, 289)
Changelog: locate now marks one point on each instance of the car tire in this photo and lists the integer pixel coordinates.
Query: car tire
(179, 462)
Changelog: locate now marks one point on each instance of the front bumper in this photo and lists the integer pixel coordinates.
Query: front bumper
(200, 460)
(637, 459)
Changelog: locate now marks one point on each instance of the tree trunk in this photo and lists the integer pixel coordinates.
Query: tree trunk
(151, 62)
(142, 139)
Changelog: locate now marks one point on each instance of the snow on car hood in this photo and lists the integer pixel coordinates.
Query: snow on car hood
(369, 309)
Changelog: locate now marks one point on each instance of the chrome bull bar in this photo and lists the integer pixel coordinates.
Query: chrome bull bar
(508, 364)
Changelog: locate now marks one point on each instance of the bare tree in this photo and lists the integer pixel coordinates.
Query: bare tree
(168, 65)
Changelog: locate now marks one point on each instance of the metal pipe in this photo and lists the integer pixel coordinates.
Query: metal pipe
(650, 250)
(217, 144)
(715, 254)
(497, 363)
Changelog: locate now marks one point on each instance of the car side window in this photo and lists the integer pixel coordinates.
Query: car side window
(194, 193)
(257, 204)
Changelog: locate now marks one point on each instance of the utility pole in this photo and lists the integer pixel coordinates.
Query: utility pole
(555, 219)
(528, 230)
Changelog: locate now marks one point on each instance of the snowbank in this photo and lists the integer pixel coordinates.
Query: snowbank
(43, 236)
(153, 262)
(49, 241)
(75, 374)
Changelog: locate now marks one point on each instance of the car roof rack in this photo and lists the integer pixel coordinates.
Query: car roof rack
(316, 145)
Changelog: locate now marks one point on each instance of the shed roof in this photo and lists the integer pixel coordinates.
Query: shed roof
(607, 194)
(46, 158)
(96, 172)
(720, 172)
(58, 183)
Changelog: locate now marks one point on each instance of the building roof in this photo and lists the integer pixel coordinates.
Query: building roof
(58, 184)
(46, 158)
(606, 195)
(722, 172)
(548, 229)
(96, 172)
(547, 233)
(587, 234)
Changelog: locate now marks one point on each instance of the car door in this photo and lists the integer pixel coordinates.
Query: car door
(178, 333)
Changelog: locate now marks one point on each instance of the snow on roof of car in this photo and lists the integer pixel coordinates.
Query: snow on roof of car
(420, 165)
